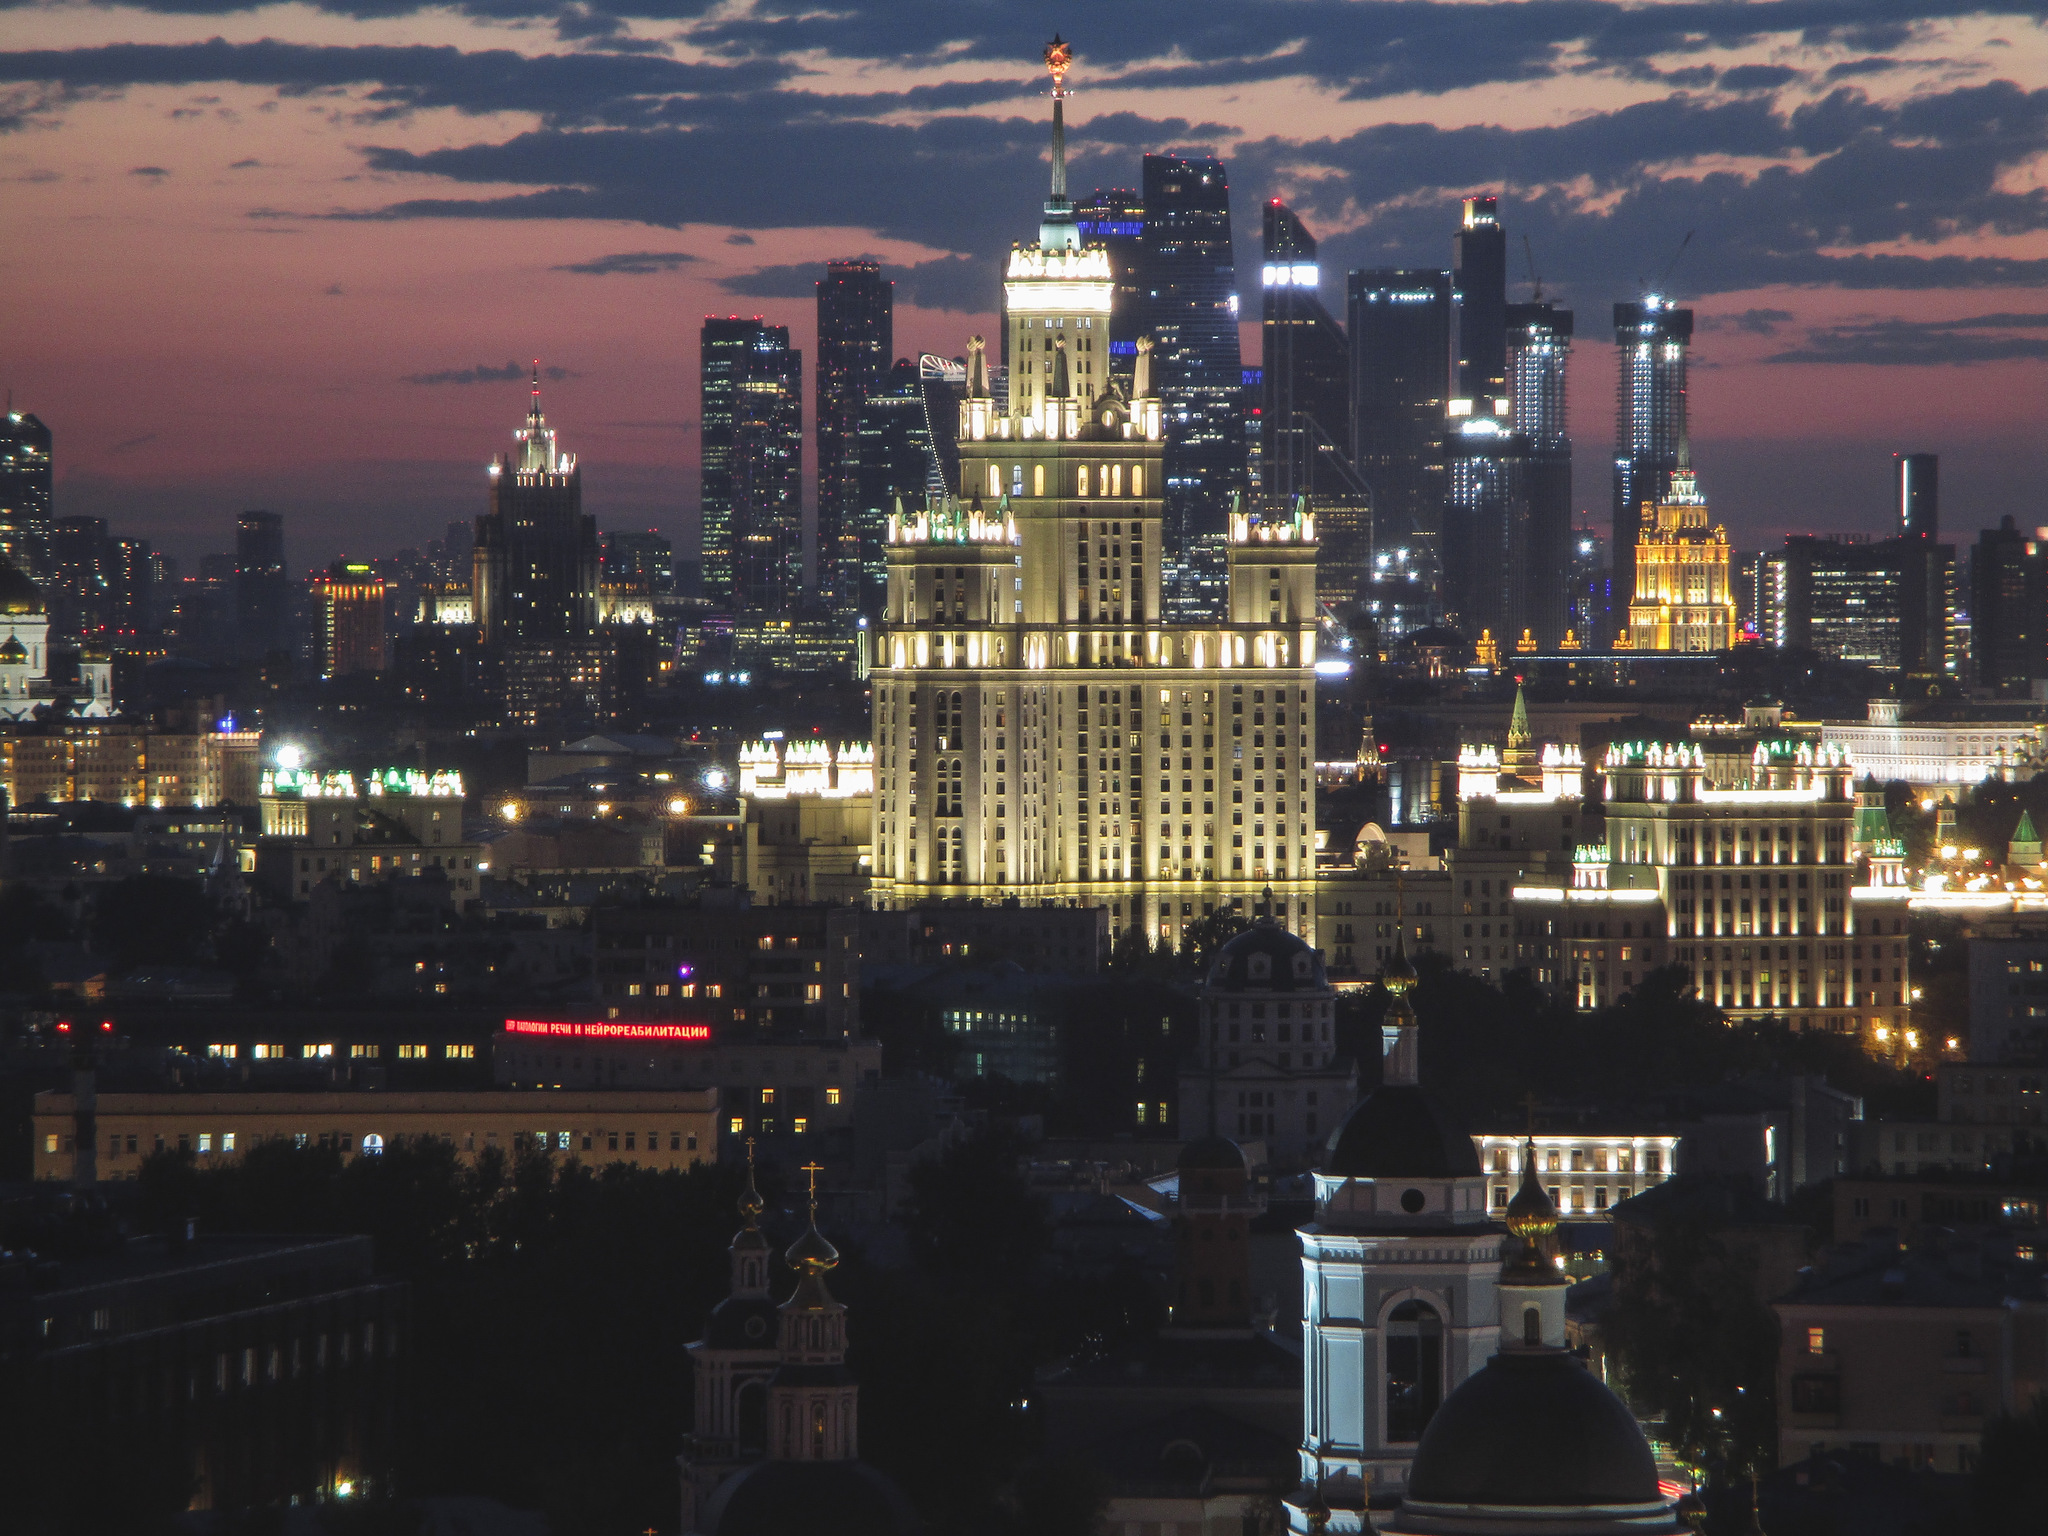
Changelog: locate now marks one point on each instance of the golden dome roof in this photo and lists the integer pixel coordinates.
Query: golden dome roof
(1530, 1215)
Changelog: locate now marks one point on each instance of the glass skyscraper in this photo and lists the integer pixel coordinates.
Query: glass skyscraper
(1400, 321)
(752, 471)
(1305, 387)
(1189, 288)
(856, 342)
(1652, 337)
(1114, 218)
(1539, 344)
(25, 494)
(1479, 278)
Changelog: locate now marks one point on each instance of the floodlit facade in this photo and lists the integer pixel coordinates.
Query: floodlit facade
(1585, 1174)
(1684, 588)
(1039, 732)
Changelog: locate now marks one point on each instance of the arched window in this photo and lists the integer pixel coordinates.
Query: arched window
(372, 1142)
(1532, 1326)
(1415, 1368)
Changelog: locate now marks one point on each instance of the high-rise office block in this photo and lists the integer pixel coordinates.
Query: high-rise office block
(1486, 588)
(1591, 585)
(898, 467)
(1652, 338)
(1919, 482)
(349, 620)
(1114, 218)
(856, 341)
(1479, 278)
(262, 592)
(1684, 588)
(132, 587)
(78, 589)
(752, 474)
(2008, 608)
(25, 493)
(641, 561)
(1190, 290)
(1539, 344)
(1400, 322)
(1039, 732)
(1305, 394)
(535, 561)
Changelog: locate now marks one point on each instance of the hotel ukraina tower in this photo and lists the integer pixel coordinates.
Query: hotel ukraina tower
(1039, 733)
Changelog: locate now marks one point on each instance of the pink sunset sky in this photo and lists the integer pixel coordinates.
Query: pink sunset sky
(250, 251)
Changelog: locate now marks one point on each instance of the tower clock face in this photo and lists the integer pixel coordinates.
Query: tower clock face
(756, 1327)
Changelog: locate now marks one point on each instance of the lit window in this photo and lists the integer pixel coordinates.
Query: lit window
(1141, 1113)
(223, 1052)
(738, 1125)
(412, 1053)
(50, 1142)
(800, 1125)
(267, 1052)
(227, 1142)
(205, 1141)
(814, 992)
(767, 1095)
(1816, 1341)
(316, 1052)
(459, 1052)
(831, 1095)
(363, 1052)
(632, 989)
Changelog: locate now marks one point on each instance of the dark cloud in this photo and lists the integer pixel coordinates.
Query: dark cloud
(1752, 322)
(739, 237)
(332, 290)
(484, 373)
(631, 263)
(243, 165)
(1993, 338)
(965, 284)
(1758, 77)
(132, 442)
(151, 172)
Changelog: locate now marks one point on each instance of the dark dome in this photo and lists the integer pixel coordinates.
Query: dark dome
(1398, 1132)
(1533, 1429)
(1267, 958)
(1213, 1152)
(743, 1322)
(848, 1498)
(17, 593)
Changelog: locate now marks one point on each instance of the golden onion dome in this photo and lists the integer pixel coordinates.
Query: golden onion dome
(811, 1253)
(1530, 1215)
(1398, 975)
(751, 1203)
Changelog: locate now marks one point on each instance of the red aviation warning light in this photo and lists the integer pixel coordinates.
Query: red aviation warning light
(565, 1028)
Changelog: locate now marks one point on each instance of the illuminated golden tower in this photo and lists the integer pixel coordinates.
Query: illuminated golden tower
(1684, 596)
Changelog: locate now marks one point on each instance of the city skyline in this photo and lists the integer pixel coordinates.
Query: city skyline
(310, 215)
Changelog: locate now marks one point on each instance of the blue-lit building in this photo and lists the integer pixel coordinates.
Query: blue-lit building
(1188, 278)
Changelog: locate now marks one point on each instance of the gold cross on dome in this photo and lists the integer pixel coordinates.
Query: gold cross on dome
(814, 1169)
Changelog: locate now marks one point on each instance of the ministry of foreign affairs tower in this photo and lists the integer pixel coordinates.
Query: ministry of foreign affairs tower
(1039, 732)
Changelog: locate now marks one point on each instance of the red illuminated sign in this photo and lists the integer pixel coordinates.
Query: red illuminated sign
(608, 1031)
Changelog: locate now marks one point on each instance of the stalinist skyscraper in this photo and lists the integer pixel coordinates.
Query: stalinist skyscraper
(1039, 733)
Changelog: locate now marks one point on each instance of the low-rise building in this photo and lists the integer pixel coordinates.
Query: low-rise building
(320, 827)
(1940, 747)
(267, 1370)
(789, 970)
(670, 1128)
(1266, 1066)
(2009, 997)
(1905, 1354)
(1904, 1206)
(1585, 1173)
(1034, 938)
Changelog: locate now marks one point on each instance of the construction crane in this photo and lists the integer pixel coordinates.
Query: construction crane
(1535, 277)
(1670, 266)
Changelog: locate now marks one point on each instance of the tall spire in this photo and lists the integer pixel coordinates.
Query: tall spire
(1059, 232)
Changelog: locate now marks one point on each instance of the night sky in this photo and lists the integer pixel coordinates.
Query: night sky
(283, 257)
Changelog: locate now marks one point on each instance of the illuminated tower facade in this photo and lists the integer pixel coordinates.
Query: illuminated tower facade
(1539, 344)
(1652, 338)
(25, 484)
(751, 485)
(1684, 587)
(1039, 731)
(535, 564)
